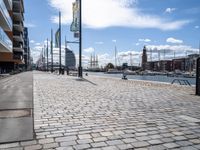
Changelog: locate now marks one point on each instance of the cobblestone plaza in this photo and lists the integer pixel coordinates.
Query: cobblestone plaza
(107, 113)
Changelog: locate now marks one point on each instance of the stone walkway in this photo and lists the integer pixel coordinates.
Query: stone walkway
(108, 114)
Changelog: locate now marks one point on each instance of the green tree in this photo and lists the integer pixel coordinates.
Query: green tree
(109, 66)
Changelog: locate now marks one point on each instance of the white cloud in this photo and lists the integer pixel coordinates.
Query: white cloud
(89, 50)
(32, 41)
(37, 44)
(144, 40)
(196, 27)
(170, 10)
(30, 25)
(137, 44)
(173, 41)
(180, 48)
(128, 53)
(99, 43)
(114, 41)
(97, 14)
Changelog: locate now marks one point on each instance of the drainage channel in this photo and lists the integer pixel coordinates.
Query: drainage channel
(15, 113)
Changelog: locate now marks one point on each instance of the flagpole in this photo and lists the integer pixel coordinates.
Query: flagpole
(199, 48)
(44, 58)
(80, 71)
(59, 42)
(52, 50)
(47, 55)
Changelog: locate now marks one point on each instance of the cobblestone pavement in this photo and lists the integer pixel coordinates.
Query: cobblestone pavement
(108, 114)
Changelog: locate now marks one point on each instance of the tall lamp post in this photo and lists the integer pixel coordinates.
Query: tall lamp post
(80, 71)
(47, 55)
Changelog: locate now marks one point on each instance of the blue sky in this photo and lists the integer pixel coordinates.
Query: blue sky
(173, 25)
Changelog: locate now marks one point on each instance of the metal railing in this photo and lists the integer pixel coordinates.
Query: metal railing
(5, 13)
(5, 39)
(181, 82)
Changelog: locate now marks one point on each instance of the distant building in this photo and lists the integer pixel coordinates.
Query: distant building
(144, 58)
(94, 63)
(183, 64)
(70, 59)
(18, 32)
(27, 58)
(162, 65)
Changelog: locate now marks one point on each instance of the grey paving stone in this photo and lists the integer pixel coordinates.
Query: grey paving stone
(84, 141)
(67, 138)
(106, 133)
(68, 143)
(84, 136)
(99, 139)
(184, 143)
(50, 145)
(157, 147)
(114, 142)
(110, 148)
(171, 145)
(47, 140)
(33, 147)
(9, 145)
(129, 140)
(125, 146)
(99, 144)
(130, 115)
(155, 142)
(82, 146)
(140, 144)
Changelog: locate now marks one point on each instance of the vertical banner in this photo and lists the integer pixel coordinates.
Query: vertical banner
(57, 36)
(76, 17)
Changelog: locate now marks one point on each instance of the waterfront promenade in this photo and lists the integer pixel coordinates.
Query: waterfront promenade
(109, 113)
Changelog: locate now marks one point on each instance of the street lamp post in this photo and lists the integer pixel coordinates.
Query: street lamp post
(47, 55)
(51, 50)
(80, 71)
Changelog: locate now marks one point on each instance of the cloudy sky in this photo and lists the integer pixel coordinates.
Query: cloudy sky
(165, 26)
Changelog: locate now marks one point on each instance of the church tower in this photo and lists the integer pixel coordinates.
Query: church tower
(144, 58)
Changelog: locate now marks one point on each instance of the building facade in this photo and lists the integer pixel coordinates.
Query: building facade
(11, 35)
(18, 32)
(6, 44)
(27, 55)
(70, 59)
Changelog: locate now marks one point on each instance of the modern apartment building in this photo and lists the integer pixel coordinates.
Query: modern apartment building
(18, 32)
(11, 35)
(6, 45)
(27, 58)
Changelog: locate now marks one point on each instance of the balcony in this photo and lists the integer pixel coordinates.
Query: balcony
(8, 4)
(5, 19)
(18, 6)
(18, 26)
(17, 36)
(5, 42)
(18, 16)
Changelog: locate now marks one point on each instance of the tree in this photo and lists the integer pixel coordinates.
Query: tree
(109, 66)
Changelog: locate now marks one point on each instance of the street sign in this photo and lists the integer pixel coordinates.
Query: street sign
(76, 34)
(198, 77)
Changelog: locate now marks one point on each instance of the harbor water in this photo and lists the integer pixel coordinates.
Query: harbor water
(158, 78)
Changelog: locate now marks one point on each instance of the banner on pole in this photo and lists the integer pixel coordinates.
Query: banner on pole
(75, 23)
(57, 41)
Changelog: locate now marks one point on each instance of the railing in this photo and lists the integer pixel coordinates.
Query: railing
(5, 39)
(5, 13)
(181, 82)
